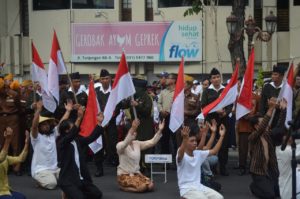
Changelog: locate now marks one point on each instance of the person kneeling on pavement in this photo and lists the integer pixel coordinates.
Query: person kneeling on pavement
(129, 176)
(189, 159)
(5, 190)
(74, 177)
(43, 139)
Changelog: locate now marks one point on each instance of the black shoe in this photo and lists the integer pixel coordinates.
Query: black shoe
(18, 173)
(242, 171)
(99, 173)
(224, 172)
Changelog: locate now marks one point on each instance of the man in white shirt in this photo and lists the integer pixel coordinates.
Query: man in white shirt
(189, 161)
(44, 167)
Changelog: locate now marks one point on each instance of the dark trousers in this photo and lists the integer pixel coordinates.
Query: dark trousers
(166, 146)
(243, 148)
(85, 191)
(223, 153)
(264, 187)
(14, 195)
(110, 141)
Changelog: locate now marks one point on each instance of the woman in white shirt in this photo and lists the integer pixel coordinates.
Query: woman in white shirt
(129, 177)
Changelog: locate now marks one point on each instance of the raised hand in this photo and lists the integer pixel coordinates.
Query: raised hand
(135, 124)
(8, 133)
(222, 130)
(161, 125)
(283, 104)
(185, 132)
(27, 137)
(100, 117)
(272, 102)
(69, 105)
(212, 126)
(39, 105)
(80, 112)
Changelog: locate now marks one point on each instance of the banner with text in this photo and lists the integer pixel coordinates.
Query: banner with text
(142, 41)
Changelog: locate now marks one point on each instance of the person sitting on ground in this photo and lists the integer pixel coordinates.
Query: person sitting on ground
(212, 160)
(263, 161)
(74, 177)
(189, 159)
(5, 190)
(130, 178)
(43, 139)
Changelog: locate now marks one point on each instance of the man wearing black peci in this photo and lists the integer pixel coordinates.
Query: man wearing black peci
(221, 116)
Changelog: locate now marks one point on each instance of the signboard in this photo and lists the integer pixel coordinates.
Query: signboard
(158, 158)
(142, 41)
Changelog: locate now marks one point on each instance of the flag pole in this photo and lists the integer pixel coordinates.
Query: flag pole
(281, 90)
(68, 75)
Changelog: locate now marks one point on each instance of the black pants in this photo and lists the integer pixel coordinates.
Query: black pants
(264, 187)
(110, 141)
(165, 139)
(85, 191)
(243, 148)
(223, 152)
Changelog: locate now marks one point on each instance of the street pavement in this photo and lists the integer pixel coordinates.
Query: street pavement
(233, 186)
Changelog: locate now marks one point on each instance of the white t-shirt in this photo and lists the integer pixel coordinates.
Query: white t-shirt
(189, 171)
(285, 172)
(44, 152)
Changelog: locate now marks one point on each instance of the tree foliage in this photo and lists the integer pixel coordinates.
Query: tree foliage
(195, 9)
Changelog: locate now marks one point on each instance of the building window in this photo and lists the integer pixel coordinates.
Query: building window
(126, 3)
(258, 13)
(76, 4)
(296, 2)
(283, 15)
(51, 4)
(174, 3)
(149, 4)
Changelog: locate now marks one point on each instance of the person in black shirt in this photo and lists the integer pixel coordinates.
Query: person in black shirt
(74, 177)
(221, 116)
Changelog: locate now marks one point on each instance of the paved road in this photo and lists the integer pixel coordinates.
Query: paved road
(233, 186)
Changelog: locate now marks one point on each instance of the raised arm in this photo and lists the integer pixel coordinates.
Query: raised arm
(282, 116)
(68, 107)
(35, 121)
(265, 122)
(215, 150)
(185, 137)
(21, 158)
(202, 133)
(7, 136)
(97, 132)
(131, 135)
(150, 143)
(213, 129)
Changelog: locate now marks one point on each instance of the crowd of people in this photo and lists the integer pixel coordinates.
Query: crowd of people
(50, 148)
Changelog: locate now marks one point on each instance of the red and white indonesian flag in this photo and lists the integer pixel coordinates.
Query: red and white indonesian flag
(286, 92)
(56, 67)
(122, 88)
(89, 121)
(244, 101)
(177, 110)
(39, 74)
(227, 97)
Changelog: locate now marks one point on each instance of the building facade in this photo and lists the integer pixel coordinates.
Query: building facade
(34, 20)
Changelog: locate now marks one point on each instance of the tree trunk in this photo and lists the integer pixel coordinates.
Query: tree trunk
(235, 46)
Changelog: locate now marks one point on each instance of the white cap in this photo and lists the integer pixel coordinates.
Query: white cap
(195, 82)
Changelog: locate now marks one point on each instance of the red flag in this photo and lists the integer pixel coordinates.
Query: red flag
(227, 97)
(89, 121)
(39, 74)
(56, 67)
(177, 110)
(122, 88)
(244, 101)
